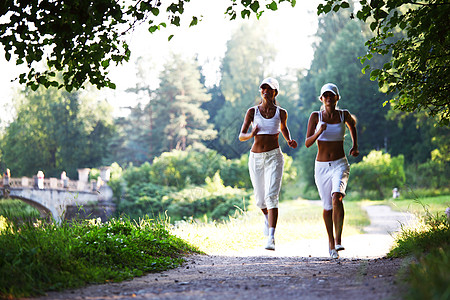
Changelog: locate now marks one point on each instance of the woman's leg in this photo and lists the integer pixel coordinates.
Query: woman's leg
(328, 219)
(338, 216)
(271, 217)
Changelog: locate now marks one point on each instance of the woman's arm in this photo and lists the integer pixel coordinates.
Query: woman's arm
(311, 134)
(350, 120)
(243, 135)
(285, 130)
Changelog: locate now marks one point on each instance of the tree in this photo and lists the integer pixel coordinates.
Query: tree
(340, 41)
(415, 35)
(243, 67)
(178, 121)
(56, 131)
(82, 39)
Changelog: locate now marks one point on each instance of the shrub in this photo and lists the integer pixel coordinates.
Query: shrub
(377, 172)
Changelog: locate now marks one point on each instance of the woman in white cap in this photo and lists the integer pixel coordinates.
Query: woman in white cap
(266, 160)
(327, 127)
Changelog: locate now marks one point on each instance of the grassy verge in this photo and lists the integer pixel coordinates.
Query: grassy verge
(39, 258)
(428, 242)
(298, 219)
(421, 206)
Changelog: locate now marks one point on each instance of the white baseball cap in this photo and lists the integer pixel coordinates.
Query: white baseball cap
(272, 82)
(330, 87)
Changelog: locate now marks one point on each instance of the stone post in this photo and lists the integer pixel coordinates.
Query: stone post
(105, 173)
(53, 183)
(83, 174)
(24, 181)
(83, 178)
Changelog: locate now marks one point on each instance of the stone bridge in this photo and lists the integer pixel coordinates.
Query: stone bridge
(61, 199)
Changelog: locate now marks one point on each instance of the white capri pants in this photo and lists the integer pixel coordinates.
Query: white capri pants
(266, 172)
(331, 177)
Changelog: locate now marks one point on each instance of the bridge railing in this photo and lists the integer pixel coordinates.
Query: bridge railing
(52, 183)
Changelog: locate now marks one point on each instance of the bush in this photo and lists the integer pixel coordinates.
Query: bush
(144, 199)
(432, 174)
(377, 172)
(213, 199)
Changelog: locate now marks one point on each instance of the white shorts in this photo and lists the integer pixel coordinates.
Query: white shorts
(266, 172)
(331, 177)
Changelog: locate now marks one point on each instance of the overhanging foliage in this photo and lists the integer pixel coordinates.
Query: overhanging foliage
(415, 34)
(82, 38)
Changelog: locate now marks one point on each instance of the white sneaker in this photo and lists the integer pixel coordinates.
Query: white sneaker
(270, 244)
(334, 254)
(339, 247)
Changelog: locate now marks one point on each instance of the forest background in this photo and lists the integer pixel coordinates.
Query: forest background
(176, 150)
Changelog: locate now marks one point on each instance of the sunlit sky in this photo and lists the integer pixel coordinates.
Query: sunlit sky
(290, 29)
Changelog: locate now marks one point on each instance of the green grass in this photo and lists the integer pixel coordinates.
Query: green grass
(298, 219)
(17, 210)
(428, 242)
(421, 206)
(35, 258)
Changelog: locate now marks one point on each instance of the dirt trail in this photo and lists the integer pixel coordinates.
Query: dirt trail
(296, 270)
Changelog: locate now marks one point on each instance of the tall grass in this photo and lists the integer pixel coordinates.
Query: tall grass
(429, 243)
(35, 258)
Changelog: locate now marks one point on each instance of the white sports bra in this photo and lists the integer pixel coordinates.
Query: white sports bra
(334, 132)
(267, 126)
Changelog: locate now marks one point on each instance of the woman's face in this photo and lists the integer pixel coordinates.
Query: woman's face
(267, 92)
(328, 98)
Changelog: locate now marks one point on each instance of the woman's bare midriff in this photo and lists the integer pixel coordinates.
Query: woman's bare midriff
(265, 142)
(330, 151)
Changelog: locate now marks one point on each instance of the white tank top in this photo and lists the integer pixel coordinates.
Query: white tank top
(267, 126)
(334, 132)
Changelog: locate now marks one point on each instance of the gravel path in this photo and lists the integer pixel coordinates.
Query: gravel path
(300, 270)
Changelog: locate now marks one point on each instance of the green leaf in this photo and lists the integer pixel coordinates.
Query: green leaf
(34, 86)
(272, 6)
(345, 5)
(365, 69)
(193, 22)
(373, 26)
(245, 13)
(336, 8)
(153, 28)
(255, 6)
(170, 37)
(374, 74)
(155, 11)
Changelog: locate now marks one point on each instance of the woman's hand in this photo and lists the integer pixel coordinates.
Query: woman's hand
(322, 128)
(292, 144)
(354, 151)
(255, 130)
